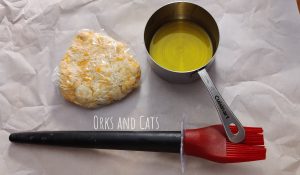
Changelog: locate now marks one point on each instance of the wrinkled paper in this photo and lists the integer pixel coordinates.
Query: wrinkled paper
(257, 71)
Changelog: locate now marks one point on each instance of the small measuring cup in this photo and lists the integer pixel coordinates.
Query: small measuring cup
(198, 15)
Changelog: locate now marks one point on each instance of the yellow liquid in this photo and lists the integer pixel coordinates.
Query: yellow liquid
(181, 46)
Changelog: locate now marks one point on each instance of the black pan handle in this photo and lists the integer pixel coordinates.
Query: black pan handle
(155, 141)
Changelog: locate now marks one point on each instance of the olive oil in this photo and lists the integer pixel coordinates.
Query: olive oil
(181, 46)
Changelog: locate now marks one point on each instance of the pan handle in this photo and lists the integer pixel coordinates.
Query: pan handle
(226, 115)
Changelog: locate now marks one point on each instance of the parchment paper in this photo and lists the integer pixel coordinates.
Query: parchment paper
(257, 71)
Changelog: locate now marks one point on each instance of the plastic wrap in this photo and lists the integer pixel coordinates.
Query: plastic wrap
(97, 70)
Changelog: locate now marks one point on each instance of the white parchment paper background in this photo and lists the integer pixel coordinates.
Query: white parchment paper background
(257, 70)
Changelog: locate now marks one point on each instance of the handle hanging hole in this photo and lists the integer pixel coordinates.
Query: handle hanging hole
(234, 129)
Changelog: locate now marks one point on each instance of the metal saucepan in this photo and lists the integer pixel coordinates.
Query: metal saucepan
(199, 16)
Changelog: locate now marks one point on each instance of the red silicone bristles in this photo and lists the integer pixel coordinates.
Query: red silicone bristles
(211, 143)
(243, 152)
(254, 136)
(250, 149)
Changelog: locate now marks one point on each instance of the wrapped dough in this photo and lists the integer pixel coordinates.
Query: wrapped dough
(97, 70)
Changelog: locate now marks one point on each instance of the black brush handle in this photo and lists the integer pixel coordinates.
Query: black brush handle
(155, 141)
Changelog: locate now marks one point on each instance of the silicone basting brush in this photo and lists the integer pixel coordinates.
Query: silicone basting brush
(208, 143)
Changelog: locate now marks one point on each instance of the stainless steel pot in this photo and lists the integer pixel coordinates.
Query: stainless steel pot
(201, 17)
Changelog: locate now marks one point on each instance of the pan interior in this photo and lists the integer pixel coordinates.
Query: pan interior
(182, 11)
(181, 46)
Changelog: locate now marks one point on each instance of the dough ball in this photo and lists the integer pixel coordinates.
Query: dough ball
(97, 70)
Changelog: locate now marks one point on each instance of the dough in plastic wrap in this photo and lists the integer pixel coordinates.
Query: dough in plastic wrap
(97, 70)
